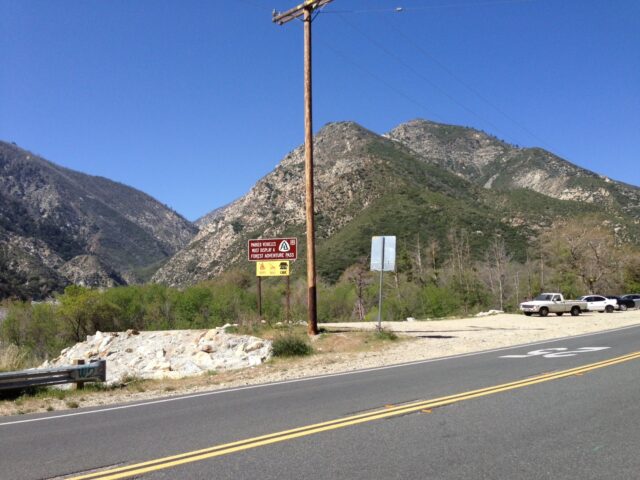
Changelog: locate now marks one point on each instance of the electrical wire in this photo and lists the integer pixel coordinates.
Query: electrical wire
(430, 57)
(497, 130)
(466, 85)
(440, 64)
(254, 3)
(398, 92)
(400, 9)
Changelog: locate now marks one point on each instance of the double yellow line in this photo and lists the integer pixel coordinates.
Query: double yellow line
(391, 411)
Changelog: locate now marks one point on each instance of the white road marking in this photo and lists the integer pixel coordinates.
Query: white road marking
(307, 379)
(557, 352)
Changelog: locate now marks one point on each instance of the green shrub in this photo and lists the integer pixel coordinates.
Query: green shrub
(130, 306)
(336, 302)
(440, 301)
(83, 311)
(385, 335)
(291, 346)
(35, 329)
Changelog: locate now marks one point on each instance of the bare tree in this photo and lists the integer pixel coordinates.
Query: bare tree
(359, 275)
(499, 261)
(461, 266)
(586, 249)
(434, 260)
(418, 260)
(516, 287)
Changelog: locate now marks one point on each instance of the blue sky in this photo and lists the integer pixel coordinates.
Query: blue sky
(194, 101)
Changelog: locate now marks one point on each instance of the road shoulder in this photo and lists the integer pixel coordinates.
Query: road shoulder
(420, 340)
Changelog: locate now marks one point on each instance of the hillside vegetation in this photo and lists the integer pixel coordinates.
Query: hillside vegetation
(61, 227)
(421, 180)
(431, 281)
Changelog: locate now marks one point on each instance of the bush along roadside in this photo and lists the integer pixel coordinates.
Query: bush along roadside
(291, 345)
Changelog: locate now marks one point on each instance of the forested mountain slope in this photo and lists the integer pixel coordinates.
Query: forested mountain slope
(59, 226)
(421, 182)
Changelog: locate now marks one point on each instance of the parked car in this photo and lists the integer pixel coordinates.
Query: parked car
(633, 296)
(546, 303)
(598, 303)
(622, 304)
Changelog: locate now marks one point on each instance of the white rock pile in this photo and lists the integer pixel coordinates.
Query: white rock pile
(166, 354)
(489, 313)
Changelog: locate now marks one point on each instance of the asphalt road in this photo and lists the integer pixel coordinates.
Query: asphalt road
(382, 423)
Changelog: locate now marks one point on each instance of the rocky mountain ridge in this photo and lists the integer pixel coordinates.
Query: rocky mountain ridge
(421, 178)
(59, 226)
(274, 206)
(485, 160)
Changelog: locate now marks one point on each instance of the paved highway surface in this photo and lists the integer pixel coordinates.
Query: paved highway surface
(563, 409)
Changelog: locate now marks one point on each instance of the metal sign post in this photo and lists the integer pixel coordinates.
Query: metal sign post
(259, 298)
(288, 304)
(383, 258)
(380, 291)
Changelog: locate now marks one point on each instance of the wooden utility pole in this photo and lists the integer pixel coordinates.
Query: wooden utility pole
(306, 10)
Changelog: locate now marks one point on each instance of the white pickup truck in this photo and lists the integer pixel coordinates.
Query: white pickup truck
(547, 303)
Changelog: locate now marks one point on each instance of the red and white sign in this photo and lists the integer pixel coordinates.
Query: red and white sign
(273, 249)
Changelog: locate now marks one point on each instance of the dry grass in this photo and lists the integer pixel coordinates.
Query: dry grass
(13, 358)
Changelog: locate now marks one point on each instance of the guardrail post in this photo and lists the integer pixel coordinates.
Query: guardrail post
(79, 385)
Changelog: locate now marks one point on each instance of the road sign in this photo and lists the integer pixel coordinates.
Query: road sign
(388, 255)
(265, 249)
(383, 259)
(276, 268)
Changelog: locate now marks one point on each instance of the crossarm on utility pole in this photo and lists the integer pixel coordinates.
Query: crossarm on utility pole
(283, 17)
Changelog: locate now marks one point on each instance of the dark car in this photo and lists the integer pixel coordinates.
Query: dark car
(623, 303)
(633, 296)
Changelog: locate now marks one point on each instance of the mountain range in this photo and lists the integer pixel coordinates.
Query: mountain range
(420, 181)
(59, 226)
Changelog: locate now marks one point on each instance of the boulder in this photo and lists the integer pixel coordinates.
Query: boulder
(167, 354)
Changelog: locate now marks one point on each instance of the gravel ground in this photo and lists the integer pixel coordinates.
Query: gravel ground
(423, 340)
(450, 337)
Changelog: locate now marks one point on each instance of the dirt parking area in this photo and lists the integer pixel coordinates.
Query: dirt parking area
(440, 338)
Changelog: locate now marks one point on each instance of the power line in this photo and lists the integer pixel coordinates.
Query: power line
(466, 85)
(422, 76)
(440, 64)
(255, 3)
(400, 9)
(430, 57)
(384, 82)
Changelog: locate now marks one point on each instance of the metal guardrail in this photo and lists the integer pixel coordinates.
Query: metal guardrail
(91, 372)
